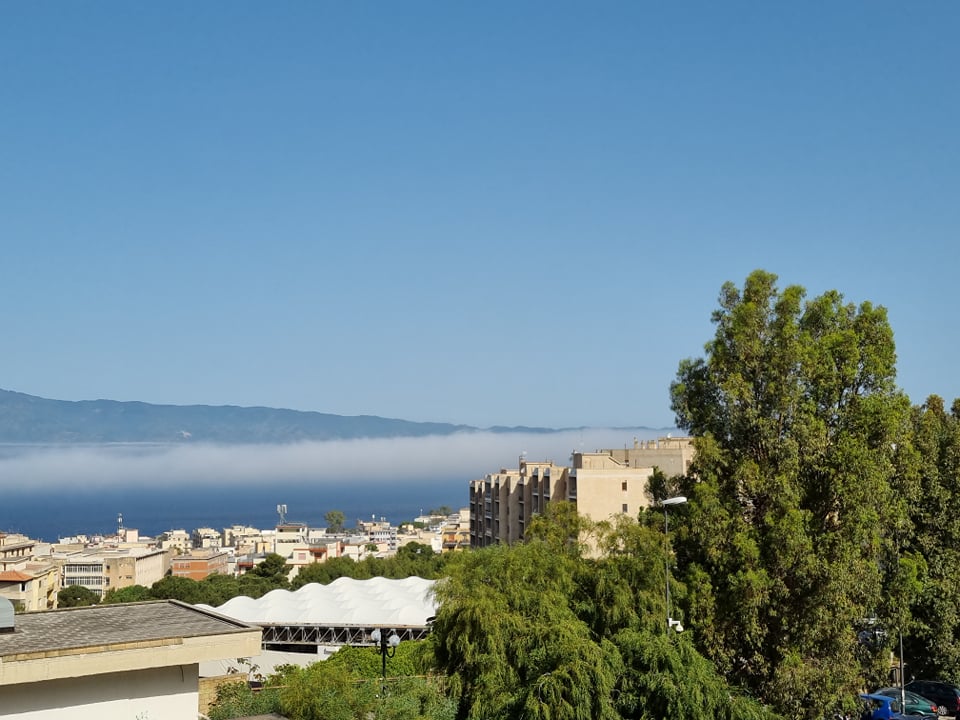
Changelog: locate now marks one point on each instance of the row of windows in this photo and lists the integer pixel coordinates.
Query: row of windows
(91, 568)
(89, 580)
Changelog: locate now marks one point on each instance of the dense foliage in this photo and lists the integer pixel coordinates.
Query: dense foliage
(348, 686)
(76, 596)
(213, 590)
(798, 496)
(540, 631)
(932, 539)
(414, 559)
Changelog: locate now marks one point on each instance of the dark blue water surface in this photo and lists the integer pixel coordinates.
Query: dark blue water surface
(152, 509)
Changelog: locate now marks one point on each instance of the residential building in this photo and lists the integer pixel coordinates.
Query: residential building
(29, 582)
(206, 538)
(315, 550)
(198, 564)
(381, 533)
(246, 540)
(600, 484)
(113, 662)
(456, 531)
(177, 541)
(103, 569)
(289, 535)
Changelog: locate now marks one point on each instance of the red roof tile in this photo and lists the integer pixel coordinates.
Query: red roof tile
(14, 576)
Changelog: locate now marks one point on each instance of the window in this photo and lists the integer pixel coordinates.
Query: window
(625, 507)
(623, 486)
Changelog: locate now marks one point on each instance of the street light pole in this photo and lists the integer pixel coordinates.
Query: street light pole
(387, 647)
(678, 500)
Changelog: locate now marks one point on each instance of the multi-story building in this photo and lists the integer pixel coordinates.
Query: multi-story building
(30, 583)
(206, 537)
(289, 535)
(600, 484)
(456, 531)
(246, 540)
(381, 533)
(104, 569)
(198, 564)
(177, 541)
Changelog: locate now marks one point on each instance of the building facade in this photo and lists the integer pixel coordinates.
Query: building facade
(599, 484)
(100, 570)
(199, 564)
(27, 581)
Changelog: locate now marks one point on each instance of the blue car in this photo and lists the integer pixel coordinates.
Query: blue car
(880, 707)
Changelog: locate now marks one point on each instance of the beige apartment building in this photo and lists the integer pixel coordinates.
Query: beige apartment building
(27, 581)
(247, 540)
(600, 484)
(104, 569)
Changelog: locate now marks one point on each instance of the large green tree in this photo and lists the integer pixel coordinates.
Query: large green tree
(76, 596)
(930, 552)
(335, 520)
(541, 630)
(510, 643)
(789, 533)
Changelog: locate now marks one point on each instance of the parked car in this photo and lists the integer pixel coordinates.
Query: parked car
(880, 707)
(944, 694)
(915, 705)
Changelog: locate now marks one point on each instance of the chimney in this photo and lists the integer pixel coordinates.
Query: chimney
(6, 616)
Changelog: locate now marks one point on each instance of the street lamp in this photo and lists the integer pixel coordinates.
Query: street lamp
(386, 646)
(678, 500)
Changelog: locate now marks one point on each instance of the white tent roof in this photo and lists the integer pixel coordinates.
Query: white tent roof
(374, 602)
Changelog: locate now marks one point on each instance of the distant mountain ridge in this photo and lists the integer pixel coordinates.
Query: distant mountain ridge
(29, 419)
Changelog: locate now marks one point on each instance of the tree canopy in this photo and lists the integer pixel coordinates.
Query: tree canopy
(789, 535)
(538, 630)
(335, 520)
(76, 596)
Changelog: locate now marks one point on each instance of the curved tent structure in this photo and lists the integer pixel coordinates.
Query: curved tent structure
(343, 612)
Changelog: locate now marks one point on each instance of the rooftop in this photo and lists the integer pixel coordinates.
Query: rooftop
(14, 576)
(78, 642)
(101, 628)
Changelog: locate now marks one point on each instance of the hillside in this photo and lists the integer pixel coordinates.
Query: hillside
(30, 419)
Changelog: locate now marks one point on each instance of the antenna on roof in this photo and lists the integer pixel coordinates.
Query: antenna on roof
(119, 524)
(282, 512)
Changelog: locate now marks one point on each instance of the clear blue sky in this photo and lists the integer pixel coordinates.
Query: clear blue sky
(474, 212)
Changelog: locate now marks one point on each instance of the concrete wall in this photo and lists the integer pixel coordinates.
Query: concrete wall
(168, 693)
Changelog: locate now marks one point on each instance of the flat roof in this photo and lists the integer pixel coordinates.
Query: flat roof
(77, 642)
(104, 626)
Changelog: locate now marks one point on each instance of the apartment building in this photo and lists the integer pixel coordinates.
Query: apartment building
(27, 581)
(206, 537)
(103, 569)
(381, 533)
(289, 535)
(247, 540)
(455, 532)
(199, 564)
(600, 484)
(177, 541)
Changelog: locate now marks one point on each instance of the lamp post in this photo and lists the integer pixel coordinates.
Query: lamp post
(678, 500)
(387, 647)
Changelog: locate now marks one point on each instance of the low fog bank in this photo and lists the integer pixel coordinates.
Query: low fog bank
(463, 456)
